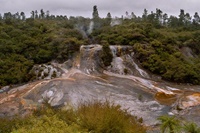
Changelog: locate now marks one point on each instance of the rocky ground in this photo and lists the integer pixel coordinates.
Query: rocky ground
(82, 82)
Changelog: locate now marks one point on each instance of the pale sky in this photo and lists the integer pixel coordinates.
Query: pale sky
(85, 7)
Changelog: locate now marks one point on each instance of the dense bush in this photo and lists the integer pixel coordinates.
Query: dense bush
(158, 49)
(157, 43)
(168, 61)
(25, 43)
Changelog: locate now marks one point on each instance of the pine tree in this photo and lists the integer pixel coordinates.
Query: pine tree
(158, 15)
(165, 18)
(96, 19)
(36, 14)
(133, 16)
(95, 13)
(23, 15)
(196, 19)
(108, 19)
(144, 16)
(48, 14)
(32, 14)
(42, 14)
(182, 17)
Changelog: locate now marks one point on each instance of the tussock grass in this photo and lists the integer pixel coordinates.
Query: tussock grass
(105, 117)
(89, 117)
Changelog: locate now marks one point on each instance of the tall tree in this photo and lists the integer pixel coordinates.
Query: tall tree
(42, 14)
(165, 18)
(23, 15)
(65, 17)
(133, 16)
(7, 15)
(108, 18)
(32, 14)
(47, 14)
(159, 15)
(144, 16)
(17, 16)
(95, 13)
(181, 17)
(196, 19)
(151, 17)
(96, 19)
(173, 21)
(127, 14)
(36, 14)
(187, 19)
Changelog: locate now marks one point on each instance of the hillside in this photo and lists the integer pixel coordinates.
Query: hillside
(171, 53)
(24, 43)
(166, 46)
(121, 68)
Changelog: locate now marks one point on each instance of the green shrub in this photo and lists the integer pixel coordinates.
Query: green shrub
(191, 128)
(171, 124)
(47, 124)
(106, 54)
(54, 74)
(125, 71)
(89, 117)
(105, 117)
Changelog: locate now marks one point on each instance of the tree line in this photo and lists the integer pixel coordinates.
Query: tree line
(34, 15)
(158, 18)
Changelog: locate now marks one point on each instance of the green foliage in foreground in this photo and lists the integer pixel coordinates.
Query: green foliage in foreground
(191, 128)
(174, 125)
(88, 118)
(169, 124)
(48, 124)
(107, 118)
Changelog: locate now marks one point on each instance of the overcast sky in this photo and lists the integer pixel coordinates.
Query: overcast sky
(85, 7)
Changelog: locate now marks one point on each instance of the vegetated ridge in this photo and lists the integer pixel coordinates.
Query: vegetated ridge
(165, 45)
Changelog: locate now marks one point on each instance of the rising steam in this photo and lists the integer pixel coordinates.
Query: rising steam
(115, 21)
(91, 27)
